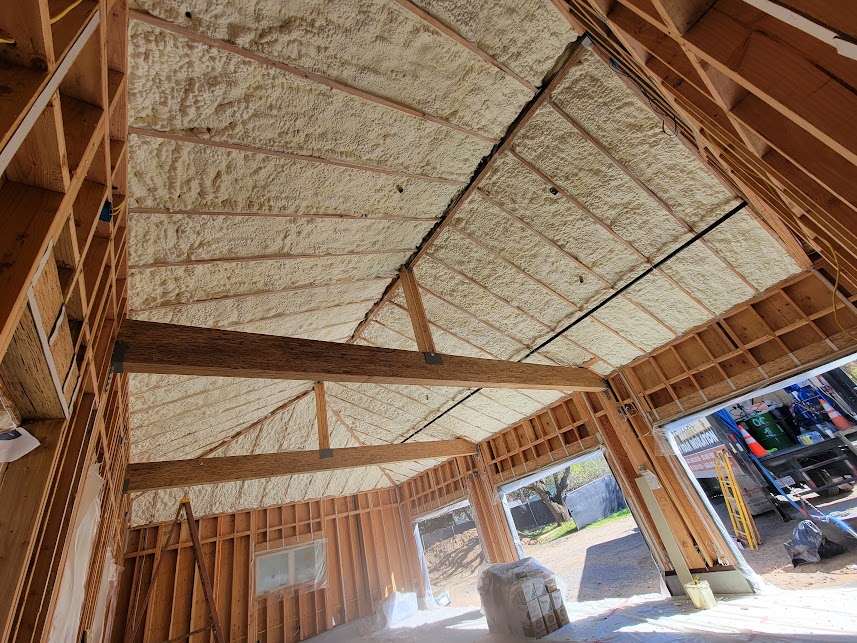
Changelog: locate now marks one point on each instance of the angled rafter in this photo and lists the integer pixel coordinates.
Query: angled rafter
(277, 215)
(148, 347)
(146, 476)
(260, 293)
(461, 40)
(194, 140)
(359, 441)
(306, 75)
(283, 407)
(256, 259)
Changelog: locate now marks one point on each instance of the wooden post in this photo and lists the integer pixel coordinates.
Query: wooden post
(416, 311)
(321, 419)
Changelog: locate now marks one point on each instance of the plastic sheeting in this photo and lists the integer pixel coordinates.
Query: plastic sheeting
(522, 598)
(105, 604)
(292, 570)
(66, 619)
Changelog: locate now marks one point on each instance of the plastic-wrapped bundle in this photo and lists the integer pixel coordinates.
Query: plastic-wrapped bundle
(523, 598)
(809, 545)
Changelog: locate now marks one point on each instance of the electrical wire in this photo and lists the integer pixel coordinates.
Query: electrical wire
(53, 20)
(62, 14)
(616, 293)
(657, 110)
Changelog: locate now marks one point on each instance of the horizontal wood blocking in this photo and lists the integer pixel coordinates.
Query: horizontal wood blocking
(148, 347)
(181, 473)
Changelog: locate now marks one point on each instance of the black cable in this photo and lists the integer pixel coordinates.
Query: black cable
(720, 220)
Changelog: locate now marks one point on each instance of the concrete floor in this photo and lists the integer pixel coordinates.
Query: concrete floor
(781, 616)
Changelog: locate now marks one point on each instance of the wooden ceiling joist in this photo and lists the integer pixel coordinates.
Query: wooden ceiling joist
(146, 476)
(170, 349)
(236, 147)
(302, 73)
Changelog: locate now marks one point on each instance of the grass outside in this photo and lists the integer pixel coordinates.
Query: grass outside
(549, 533)
(612, 517)
(552, 532)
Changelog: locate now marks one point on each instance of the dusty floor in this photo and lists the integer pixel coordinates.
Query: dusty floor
(772, 562)
(779, 616)
(453, 567)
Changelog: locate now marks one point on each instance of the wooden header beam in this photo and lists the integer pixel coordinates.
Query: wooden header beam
(145, 476)
(170, 349)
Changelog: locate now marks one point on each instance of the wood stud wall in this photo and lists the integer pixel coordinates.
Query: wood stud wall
(368, 554)
(786, 329)
(63, 293)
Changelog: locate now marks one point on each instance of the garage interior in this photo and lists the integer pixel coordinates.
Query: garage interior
(281, 279)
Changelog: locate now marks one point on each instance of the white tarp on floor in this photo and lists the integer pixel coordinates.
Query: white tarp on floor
(782, 616)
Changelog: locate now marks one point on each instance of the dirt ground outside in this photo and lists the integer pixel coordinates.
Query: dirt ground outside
(613, 560)
(453, 566)
(601, 561)
(773, 563)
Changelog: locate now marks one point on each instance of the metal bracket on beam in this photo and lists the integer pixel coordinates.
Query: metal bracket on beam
(117, 359)
(125, 484)
(325, 453)
(433, 358)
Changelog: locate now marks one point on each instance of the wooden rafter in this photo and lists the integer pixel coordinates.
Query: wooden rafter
(302, 73)
(149, 347)
(360, 442)
(278, 215)
(194, 140)
(145, 476)
(461, 40)
(263, 258)
(253, 425)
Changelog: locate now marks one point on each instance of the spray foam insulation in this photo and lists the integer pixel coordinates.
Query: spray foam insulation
(380, 47)
(517, 264)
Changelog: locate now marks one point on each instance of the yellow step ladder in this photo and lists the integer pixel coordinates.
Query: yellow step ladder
(739, 514)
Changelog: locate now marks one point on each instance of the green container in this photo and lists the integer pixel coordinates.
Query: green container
(767, 432)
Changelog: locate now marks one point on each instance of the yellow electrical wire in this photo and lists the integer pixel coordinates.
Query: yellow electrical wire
(54, 19)
(836, 289)
(62, 14)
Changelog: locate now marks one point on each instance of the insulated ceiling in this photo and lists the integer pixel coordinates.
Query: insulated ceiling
(287, 157)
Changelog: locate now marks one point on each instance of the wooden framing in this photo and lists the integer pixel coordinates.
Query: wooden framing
(361, 571)
(63, 294)
(416, 311)
(321, 416)
(765, 104)
(148, 347)
(143, 476)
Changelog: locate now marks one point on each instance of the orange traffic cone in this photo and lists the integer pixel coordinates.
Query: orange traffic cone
(835, 416)
(755, 448)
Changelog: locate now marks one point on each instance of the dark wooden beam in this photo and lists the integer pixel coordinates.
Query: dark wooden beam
(170, 349)
(145, 476)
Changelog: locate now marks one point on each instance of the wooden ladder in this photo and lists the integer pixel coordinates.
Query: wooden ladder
(739, 514)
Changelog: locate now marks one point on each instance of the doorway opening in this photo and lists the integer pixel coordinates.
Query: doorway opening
(572, 517)
(451, 552)
(792, 452)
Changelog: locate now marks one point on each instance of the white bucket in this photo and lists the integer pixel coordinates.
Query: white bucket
(701, 595)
